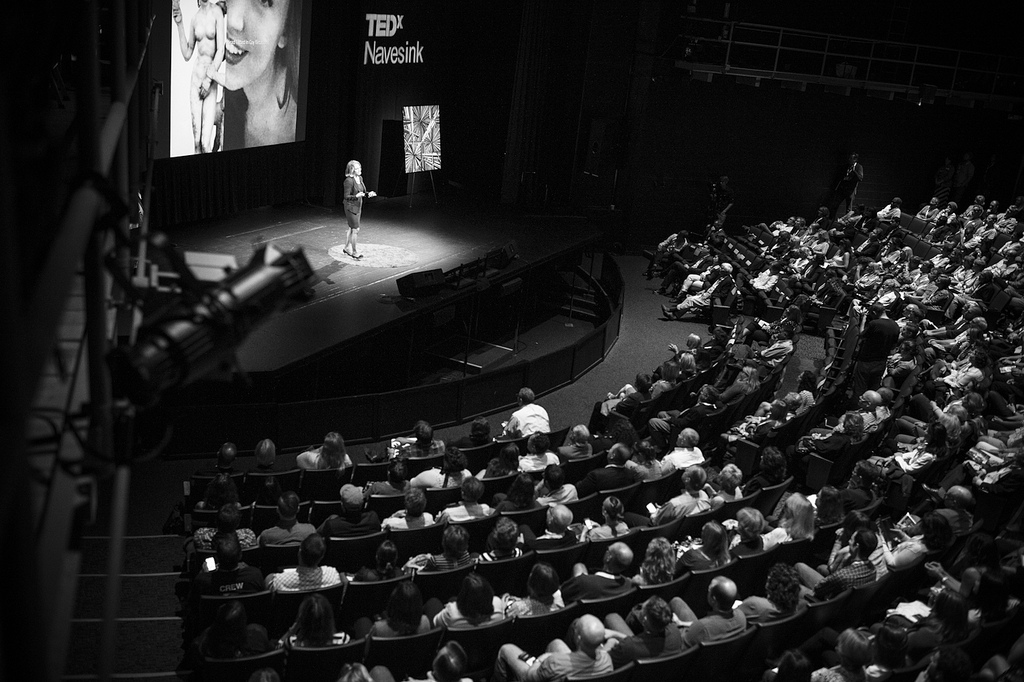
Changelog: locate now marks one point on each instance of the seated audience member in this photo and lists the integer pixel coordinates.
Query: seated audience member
(936, 536)
(957, 503)
(645, 462)
(828, 507)
(947, 623)
(840, 555)
(403, 615)
(543, 593)
(415, 514)
(583, 656)
(859, 490)
(225, 462)
(613, 513)
(385, 565)
(614, 475)
(693, 500)
(556, 534)
(659, 564)
(505, 463)
(552, 489)
(231, 576)
(854, 650)
(421, 443)
(479, 435)
(538, 453)
(313, 626)
(228, 518)
(353, 521)
(660, 637)
(287, 530)
(450, 474)
(662, 426)
(795, 523)
(230, 635)
(750, 526)
(309, 574)
(475, 604)
(449, 665)
(330, 455)
(454, 552)
(713, 551)
(220, 491)
(727, 484)
(859, 571)
(722, 621)
(771, 471)
(609, 581)
(952, 664)
(521, 494)
(686, 453)
(577, 444)
(782, 596)
(470, 507)
(397, 483)
(266, 458)
(528, 419)
(503, 541)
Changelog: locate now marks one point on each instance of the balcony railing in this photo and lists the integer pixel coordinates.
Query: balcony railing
(777, 53)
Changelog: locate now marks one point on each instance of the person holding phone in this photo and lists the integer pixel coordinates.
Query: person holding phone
(355, 191)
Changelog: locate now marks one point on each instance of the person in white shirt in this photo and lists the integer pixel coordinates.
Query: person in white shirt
(930, 211)
(529, 418)
(891, 213)
(538, 453)
(686, 452)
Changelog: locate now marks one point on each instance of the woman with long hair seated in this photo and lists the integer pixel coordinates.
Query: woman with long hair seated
(385, 565)
(505, 463)
(475, 604)
(713, 551)
(828, 507)
(796, 522)
(659, 564)
(543, 593)
(313, 626)
(521, 495)
(330, 455)
(403, 615)
(771, 471)
(229, 636)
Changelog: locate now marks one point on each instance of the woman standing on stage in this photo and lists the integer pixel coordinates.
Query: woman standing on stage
(355, 190)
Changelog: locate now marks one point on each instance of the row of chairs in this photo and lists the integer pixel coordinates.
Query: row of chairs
(743, 656)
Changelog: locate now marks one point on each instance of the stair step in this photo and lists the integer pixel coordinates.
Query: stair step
(142, 647)
(142, 596)
(142, 554)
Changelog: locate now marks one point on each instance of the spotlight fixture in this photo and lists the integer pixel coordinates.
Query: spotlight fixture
(200, 332)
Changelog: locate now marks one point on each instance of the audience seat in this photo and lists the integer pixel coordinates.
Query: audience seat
(439, 498)
(348, 555)
(621, 674)
(285, 607)
(535, 518)
(257, 608)
(366, 599)
(719, 659)
(508, 575)
(773, 638)
(563, 558)
(273, 558)
(413, 541)
(821, 613)
(481, 644)
(255, 480)
(620, 603)
(498, 484)
(405, 657)
(441, 584)
(752, 571)
(321, 664)
(479, 529)
(323, 484)
(770, 496)
(587, 508)
(241, 669)
(674, 667)
(417, 465)
(368, 472)
(673, 588)
(533, 633)
(695, 593)
(319, 510)
(385, 505)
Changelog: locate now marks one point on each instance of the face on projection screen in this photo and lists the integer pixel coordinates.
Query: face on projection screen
(422, 138)
(236, 76)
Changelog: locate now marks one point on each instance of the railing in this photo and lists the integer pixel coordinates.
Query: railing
(780, 53)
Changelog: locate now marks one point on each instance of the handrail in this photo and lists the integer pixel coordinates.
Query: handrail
(760, 50)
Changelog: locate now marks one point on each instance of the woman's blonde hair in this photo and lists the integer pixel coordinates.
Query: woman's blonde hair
(798, 517)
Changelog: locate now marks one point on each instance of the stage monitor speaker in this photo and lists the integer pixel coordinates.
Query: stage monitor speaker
(422, 283)
(391, 178)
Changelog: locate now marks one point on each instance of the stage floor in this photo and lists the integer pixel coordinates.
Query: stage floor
(401, 235)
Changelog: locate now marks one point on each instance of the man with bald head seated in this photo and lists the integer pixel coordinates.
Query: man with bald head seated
(872, 408)
(956, 507)
(559, 517)
(607, 582)
(614, 475)
(582, 656)
(722, 620)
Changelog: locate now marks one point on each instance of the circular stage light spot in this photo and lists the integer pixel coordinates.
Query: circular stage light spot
(375, 256)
